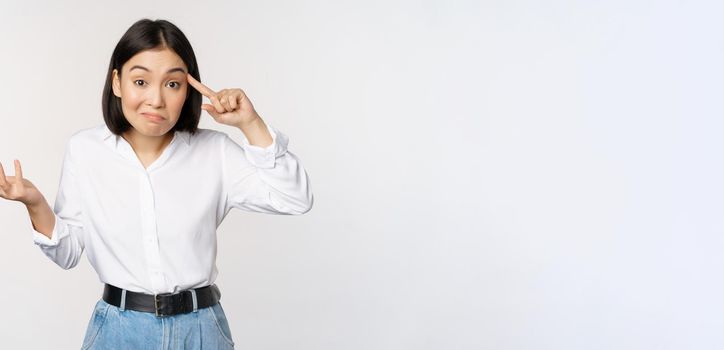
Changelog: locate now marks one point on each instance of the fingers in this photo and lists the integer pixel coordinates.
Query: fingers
(225, 98)
(211, 110)
(233, 102)
(206, 91)
(217, 104)
(3, 180)
(18, 172)
(7, 184)
(203, 89)
(231, 98)
(224, 101)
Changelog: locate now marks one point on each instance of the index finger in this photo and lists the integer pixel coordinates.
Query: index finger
(203, 89)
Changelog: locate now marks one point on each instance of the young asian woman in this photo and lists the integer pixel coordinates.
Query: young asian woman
(143, 193)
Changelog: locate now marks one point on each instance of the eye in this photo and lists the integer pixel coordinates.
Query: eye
(177, 84)
(135, 81)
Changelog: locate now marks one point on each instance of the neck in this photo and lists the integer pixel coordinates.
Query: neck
(147, 144)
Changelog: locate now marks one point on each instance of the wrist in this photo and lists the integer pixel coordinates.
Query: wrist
(251, 123)
(36, 205)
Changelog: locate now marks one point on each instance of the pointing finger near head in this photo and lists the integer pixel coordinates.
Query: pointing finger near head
(18, 172)
(203, 89)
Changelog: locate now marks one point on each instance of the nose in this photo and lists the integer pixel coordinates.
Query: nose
(154, 97)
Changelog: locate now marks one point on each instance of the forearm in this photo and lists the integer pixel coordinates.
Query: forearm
(42, 217)
(257, 133)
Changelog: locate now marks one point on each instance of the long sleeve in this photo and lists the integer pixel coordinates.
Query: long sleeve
(65, 245)
(268, 180)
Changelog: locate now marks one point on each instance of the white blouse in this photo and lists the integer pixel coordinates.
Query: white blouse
(153, 230)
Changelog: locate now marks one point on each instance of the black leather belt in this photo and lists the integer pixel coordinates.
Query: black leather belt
(166, 304)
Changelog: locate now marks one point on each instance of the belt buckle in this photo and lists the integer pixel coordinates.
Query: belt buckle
(155, 303)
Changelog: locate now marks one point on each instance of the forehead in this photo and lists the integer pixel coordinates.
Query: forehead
(157, 61)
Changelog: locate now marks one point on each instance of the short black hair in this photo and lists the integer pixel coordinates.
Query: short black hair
(146, 34)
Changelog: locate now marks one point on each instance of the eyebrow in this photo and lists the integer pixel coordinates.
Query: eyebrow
(177, 69)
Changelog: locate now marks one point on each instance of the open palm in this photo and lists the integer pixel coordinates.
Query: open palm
(16, 188)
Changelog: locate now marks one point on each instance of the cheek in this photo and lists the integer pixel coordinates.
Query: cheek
(178, 100)
(131, 98)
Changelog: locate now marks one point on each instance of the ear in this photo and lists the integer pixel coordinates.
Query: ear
(116, 83)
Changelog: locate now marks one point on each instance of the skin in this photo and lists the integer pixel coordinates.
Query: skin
(159, 88)
(154, 90)
(17, 188)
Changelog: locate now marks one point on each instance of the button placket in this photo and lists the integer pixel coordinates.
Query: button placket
(150, 234)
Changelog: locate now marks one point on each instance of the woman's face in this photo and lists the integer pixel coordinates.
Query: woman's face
(152, 87)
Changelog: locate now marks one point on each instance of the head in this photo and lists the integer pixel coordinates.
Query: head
(147, 75)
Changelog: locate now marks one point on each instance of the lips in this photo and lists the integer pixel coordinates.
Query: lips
(152, 116)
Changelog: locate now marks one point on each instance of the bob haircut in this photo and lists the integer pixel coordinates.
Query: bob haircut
(146, 34)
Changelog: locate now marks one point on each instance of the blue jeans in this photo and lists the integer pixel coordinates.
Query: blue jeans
(113, 328)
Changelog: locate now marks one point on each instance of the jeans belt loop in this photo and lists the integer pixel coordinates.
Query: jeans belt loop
(193, 297)
(123, 300)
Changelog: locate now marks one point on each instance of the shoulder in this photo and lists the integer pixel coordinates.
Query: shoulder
(88, 137)
(206, 137)
(93, 132)
(204, 134)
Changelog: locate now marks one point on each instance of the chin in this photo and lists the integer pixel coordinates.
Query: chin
(153, 129)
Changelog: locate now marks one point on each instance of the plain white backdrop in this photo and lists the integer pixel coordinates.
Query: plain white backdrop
(487, 174)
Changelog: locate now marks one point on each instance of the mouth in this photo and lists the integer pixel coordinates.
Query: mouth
(153, 117)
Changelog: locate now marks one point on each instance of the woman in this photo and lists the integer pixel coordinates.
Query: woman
(143, 194)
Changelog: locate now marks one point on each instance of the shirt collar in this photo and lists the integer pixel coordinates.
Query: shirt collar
(112, 139)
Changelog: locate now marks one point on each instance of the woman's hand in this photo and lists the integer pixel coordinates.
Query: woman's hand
(229, 106)
(16, 188)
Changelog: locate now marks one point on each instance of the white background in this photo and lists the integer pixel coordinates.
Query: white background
(487, 174)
